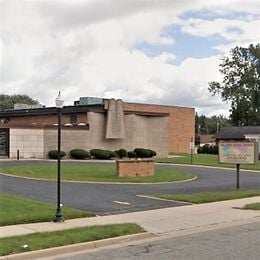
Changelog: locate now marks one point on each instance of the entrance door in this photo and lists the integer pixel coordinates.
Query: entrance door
(4, 142)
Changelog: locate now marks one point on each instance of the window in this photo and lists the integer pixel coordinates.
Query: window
(73, 119)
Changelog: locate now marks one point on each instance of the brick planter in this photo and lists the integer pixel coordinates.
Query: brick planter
(135, 168)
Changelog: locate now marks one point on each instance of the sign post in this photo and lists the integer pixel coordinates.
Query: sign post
(237, 153)
(238, 168)
(191, 149)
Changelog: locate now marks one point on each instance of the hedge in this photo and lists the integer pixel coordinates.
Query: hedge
(53, 154)
(79, 154)
(121, 153)
(152, 152)
(113, 154)
(208, 149)
(100, 154)
(131, 154)
(143, 153)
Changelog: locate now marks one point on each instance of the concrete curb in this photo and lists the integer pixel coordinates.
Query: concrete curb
(157, 198)
(51, 252)
(207, 166)
(98, 182)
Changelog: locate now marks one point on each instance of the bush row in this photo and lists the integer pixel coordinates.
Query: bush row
(208, 149)
(105, 154)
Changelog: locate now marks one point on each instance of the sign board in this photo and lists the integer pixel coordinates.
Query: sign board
(237, 152)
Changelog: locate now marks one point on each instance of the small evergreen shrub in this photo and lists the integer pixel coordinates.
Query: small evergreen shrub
(113, 154)
(79, 154)
(131, 154)
(53, 154)
(207, 149)
(215, 149)
(142, 153)
(122, 153)
(100, 154)
(152, 152)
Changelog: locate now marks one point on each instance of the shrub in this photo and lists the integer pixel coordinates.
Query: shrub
(207, 149)
(122, 153)
(215, 149)
(113, 154)
(131, 154)
(152, 152)
(53, 154)
(79, 154)
(100, 154)
(142, 153)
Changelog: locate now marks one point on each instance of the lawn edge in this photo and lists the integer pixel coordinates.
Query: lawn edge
(99, 182)
(207, 166)
(55, 251)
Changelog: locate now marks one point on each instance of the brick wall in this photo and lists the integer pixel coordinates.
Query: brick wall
(181, 125)
(141, 131)
(43, 120)
(29, 142)
(164, 134)
(135, 168)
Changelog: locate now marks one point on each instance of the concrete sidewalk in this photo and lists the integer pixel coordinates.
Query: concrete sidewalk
(173, 221)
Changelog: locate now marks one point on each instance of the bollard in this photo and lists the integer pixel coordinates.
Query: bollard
(18, 155)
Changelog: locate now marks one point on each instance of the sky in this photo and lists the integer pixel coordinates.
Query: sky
(147, 51)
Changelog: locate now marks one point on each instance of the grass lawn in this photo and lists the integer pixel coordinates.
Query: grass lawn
(88, 172)
(19, 210)
(254, 206)
(205, 159)
(12, 245)
(204, 197)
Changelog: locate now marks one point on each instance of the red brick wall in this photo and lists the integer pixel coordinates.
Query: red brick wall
(44, 120)
(135, 168)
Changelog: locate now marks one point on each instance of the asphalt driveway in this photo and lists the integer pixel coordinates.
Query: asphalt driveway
(106, 199)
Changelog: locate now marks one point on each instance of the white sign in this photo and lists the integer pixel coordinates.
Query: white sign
(237, 152)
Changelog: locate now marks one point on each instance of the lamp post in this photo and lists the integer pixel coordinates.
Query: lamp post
(59, 104)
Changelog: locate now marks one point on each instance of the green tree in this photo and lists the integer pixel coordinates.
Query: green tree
(8, 101)
(210, 125)
(241, 84)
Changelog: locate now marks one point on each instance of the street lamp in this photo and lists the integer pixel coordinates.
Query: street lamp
(59, 104)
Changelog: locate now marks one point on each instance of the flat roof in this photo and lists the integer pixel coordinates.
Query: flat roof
(98, 108)
(52, 110)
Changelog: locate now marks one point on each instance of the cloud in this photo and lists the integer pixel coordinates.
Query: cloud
(87, 48)
(237, 32)
(165, 57)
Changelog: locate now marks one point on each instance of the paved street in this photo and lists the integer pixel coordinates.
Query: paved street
(105, 199)
(239, 242)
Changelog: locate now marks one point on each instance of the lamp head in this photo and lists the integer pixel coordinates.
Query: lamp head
(59, 101)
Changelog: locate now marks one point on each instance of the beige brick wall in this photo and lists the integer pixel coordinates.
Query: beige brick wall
(141, 131)
(76, 138)
(29, 142)
(181, 125)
